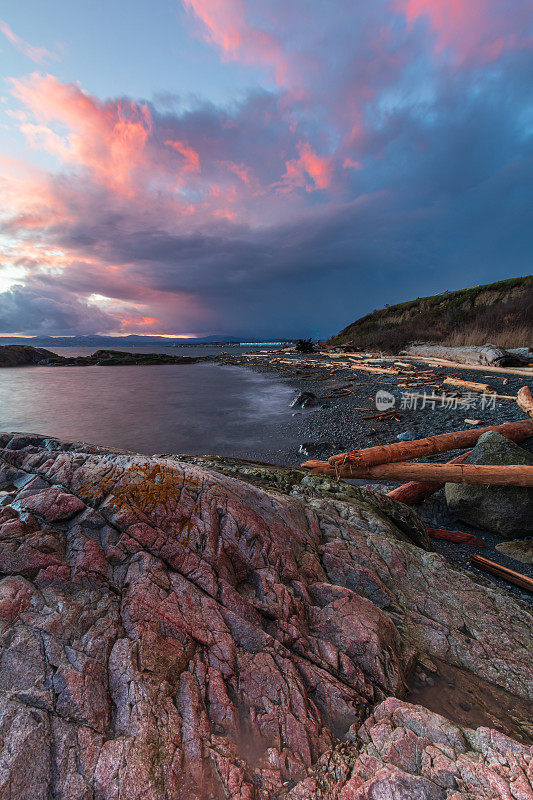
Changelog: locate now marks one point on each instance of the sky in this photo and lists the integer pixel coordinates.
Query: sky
(257, 167)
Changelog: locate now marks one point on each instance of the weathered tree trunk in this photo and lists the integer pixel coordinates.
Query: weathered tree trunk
(490, 474)
(404, 451)
(488, 354)
(416, 491)
(457, 537)
(376, 370)
(524, 398)
(526, 372)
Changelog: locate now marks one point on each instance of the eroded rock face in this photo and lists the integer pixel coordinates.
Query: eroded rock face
(171, 632)
(405, 752)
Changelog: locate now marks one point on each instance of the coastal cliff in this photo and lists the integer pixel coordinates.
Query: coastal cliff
(171, 632)
(494, 312)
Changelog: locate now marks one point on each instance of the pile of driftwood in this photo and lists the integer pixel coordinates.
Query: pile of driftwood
(392, 462)
(440, 375)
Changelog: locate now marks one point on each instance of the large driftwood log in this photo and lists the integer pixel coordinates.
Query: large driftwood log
(403, 451)
(416, 491)
(375, 369)
(488, 354)
(526, 372)
(489, 474)
(524, 398)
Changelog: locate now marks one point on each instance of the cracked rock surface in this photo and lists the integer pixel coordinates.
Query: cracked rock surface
(168, 632)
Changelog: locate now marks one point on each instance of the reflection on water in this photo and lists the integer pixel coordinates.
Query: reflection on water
(196, 408)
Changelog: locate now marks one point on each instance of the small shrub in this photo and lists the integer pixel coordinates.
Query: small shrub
(305, 346)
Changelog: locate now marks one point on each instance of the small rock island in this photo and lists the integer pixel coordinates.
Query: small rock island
(25, 355)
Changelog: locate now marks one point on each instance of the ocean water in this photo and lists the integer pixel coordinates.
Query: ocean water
(192, 408)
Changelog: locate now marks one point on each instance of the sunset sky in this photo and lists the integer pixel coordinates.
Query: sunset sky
(257, 167)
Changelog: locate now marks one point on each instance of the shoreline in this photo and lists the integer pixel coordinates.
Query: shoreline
(340, 414)
(345, 418)
(337, 425)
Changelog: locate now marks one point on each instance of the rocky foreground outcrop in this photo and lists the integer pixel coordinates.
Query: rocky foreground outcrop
(168, 632)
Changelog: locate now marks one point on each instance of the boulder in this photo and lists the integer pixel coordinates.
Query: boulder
(507, 510)
(520, 550)
(169, 632)
(304, 400)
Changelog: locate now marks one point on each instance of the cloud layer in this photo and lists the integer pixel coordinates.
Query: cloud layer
(388, 155)
(37, 54)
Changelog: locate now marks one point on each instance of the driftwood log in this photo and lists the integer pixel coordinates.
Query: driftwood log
(442, 443)
(526, 372)
(416, 491)
(489, 474)
(457, 537)
(502, 572)
(524, 398)
(374, 369)
(472, 386)
(488, 354)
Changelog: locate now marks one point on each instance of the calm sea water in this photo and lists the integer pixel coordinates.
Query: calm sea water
(196, 408)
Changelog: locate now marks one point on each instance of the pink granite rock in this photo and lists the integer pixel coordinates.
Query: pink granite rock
(405, 752)
(169, 633)
(52, 504)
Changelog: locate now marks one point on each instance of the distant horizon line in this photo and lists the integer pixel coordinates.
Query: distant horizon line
(223, 337)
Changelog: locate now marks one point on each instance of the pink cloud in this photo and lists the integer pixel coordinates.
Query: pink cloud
(119, 161)
(37, 54)
(132, 152)
(478, 30)
(28, 198)
(107, 138)
(226, 23)
(192, 159)
(309, 166)
(349, 163)
(223, 20)
(240, 170)
(131, 323)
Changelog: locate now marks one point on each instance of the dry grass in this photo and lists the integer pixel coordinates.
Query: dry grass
(513, 336)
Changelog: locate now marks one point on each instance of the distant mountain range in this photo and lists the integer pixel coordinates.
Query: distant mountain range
(114, 341)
